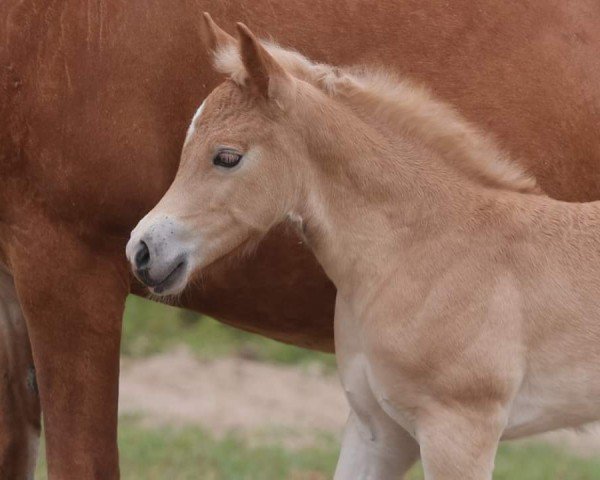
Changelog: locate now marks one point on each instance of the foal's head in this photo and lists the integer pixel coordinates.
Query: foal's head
(239, 169)
(267, 143)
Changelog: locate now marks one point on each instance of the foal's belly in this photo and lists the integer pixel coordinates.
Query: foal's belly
(558, 401)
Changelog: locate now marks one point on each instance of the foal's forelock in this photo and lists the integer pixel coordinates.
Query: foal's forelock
(407, 107)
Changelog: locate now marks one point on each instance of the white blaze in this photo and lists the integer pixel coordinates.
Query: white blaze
(192, 127)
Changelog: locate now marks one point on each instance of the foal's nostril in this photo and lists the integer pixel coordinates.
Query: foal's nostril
(142, 256)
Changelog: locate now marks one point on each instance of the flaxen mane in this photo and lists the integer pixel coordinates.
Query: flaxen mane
(407, 106)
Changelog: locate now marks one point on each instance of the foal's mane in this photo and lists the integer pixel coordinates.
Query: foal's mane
(409, 107)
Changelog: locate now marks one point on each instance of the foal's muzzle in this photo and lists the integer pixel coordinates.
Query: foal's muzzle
(158, 257)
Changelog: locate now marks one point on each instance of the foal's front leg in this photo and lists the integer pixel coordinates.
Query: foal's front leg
(374, 446)
(375, 452)
(460, 443)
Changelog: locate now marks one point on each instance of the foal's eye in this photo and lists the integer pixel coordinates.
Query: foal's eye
(227, 159)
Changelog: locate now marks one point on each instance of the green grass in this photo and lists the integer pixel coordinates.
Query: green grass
(154, 453)
(541, 462)
(526, 461)
(190, 453)
(150, 328)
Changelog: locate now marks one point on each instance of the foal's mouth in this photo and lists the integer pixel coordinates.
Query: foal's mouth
(159, 287)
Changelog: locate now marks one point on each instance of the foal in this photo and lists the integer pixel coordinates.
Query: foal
(467, 307)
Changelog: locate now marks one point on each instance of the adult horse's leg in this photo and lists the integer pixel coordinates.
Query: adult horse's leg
(19, 403)
(73, 296)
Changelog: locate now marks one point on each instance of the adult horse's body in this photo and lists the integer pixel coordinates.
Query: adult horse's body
(95, 102)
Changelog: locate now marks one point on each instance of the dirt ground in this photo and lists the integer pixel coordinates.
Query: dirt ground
(249, 397)
(231, 394)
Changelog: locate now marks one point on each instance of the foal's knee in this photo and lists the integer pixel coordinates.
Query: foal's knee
(460, 444)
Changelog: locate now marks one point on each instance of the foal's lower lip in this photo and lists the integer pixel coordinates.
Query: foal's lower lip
(170, 280)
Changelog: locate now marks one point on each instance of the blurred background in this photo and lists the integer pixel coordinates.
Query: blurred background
(200, 400)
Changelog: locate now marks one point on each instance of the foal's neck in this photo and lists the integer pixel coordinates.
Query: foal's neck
(369, 198)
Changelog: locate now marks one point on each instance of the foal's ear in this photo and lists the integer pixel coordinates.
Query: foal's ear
(265, 75)
(215, 38)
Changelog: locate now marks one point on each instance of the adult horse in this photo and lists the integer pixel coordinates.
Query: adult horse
(96, 98)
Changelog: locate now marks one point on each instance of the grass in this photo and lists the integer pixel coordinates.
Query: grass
(526, 461)
(150, 328)
(158, 453)
(155, 453)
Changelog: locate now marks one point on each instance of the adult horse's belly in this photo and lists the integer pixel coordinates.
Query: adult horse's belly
(280, 291)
